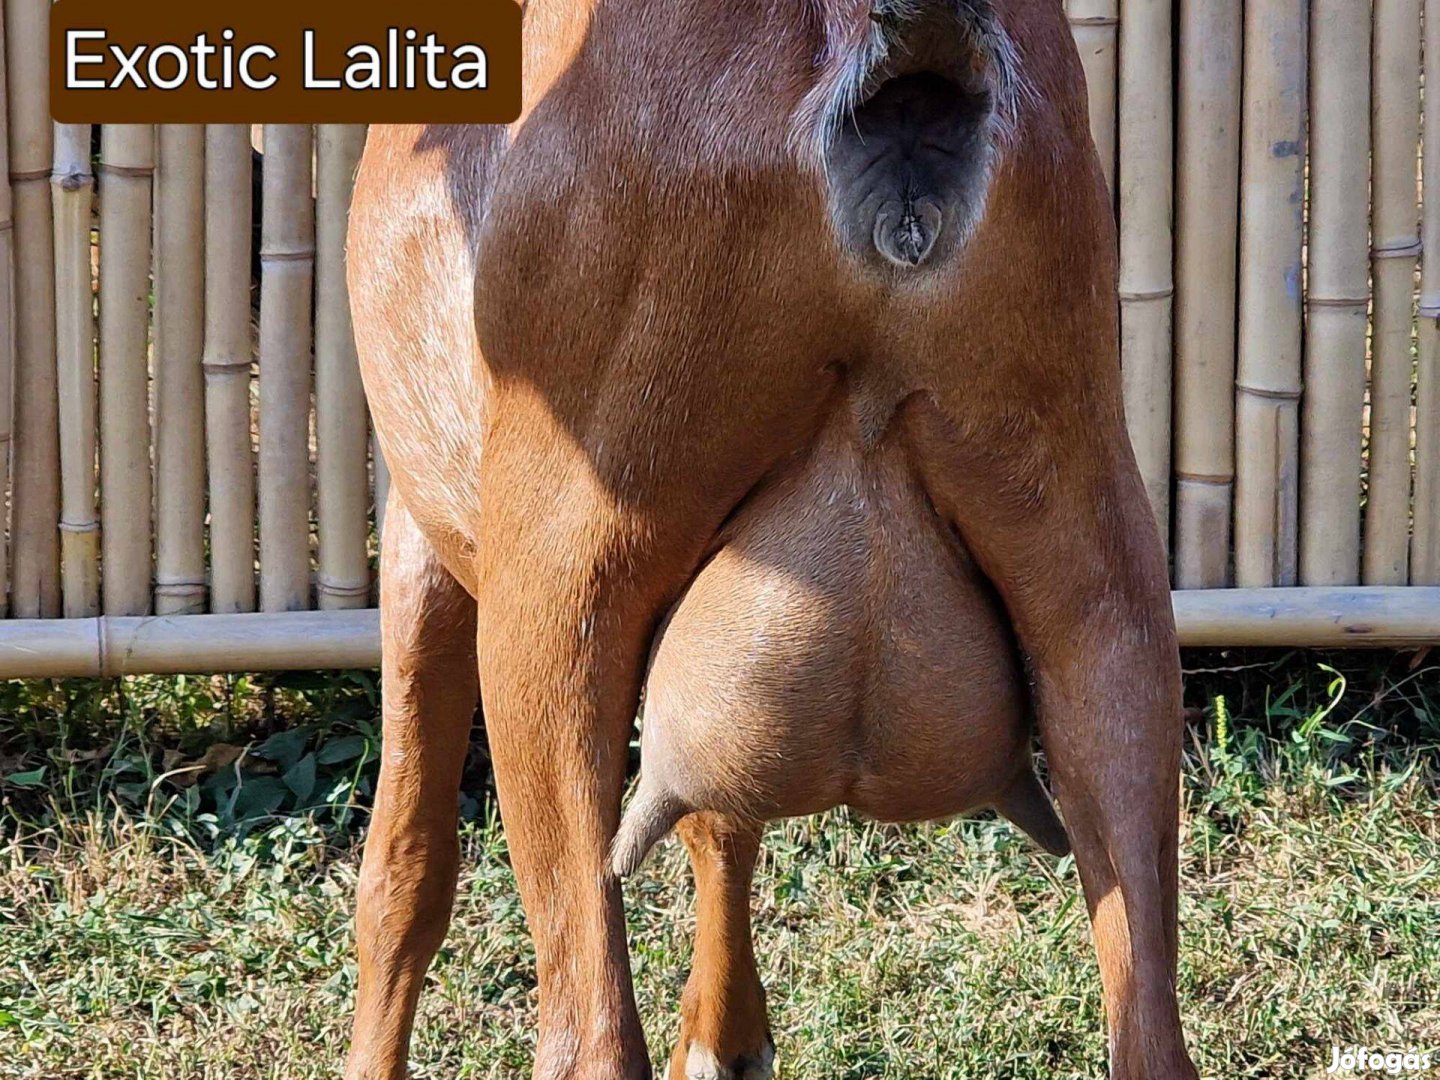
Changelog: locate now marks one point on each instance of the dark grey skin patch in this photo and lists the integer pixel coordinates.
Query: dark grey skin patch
(907, 170)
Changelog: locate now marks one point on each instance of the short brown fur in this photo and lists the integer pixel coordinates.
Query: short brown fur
(592, 343)
(840, 647)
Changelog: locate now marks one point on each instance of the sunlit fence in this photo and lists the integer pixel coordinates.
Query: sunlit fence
(191, 486)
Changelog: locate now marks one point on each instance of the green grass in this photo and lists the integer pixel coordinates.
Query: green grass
(156, 930)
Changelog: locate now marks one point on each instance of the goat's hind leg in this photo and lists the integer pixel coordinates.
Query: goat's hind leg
(407, 882)
(1090, 603)
(724, 1032)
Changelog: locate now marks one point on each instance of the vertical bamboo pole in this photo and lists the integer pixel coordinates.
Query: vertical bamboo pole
(73, 199)
(1207, 192)
(1425, 544)
(228, 356)
(7, 324)
(1395, 246)
(1093, 24)
(1146, 273)
(287, 259)
(1272, 160)
(382, 483)
(1337, 296)
(127, 165)
(35, 452)
(341, 424)
(179, 376)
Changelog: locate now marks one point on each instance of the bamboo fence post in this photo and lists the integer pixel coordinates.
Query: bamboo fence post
(287, 259)
(341, 422)
(1208, 193)
(127, 166)
(1272, 158)
(7, 324)
(73, 198)
(228, 357)
(1395, 246)
(1425, 544)
(179, 377)
(1337, 294)
(382, 483)
(1146, 271)
(35, 450)
(1094, 23)
(381, 486)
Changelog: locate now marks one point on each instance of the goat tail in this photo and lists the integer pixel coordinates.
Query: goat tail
(1027, 804)
(867, 41)
(652, 813)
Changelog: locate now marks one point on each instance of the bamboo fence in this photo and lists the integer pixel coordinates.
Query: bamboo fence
(227, 360)
(287, 272)
(1338, 295)
(127, 165)
(34, 540)
(1207, 174)
(192, 484)
(72, 199)
(342, 495)
(7, 327)
(178, 371)
(1425, 545)
(1146, 194)
(1395, 246)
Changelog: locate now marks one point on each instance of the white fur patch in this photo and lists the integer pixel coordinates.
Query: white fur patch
(702, 1064)
(857, 45)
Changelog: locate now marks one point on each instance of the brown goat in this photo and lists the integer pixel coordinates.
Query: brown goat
(793, 321)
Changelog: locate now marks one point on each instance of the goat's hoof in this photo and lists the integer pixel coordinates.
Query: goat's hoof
(702, 1064)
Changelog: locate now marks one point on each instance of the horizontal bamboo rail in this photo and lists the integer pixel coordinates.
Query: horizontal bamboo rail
(189, 644)
(350, 639)
(190, 434)
(1344, 617)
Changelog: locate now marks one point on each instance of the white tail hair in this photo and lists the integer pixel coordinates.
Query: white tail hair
(861, 38)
